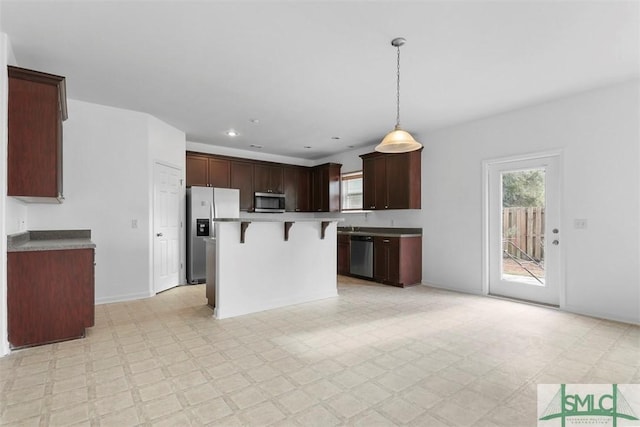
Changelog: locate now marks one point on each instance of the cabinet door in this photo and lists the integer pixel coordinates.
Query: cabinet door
(219, 173)
(368, 183)
(344, 254)
(398, 186)
(374, 175)
(34, 152)
(296, 189)
(381, 256)
(197, 171)
(386, 260)
(242, 179)
(50, 295)
(320, 192)
(303, 198)
(268, 178)
(381, 177)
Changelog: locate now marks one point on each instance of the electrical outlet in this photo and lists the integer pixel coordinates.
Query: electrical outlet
(580, 224)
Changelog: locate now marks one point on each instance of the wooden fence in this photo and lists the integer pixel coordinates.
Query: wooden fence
(523, 228)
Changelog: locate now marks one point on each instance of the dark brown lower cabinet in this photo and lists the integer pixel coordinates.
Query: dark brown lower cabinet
(50, 295)
(397, 261)
(344, 254)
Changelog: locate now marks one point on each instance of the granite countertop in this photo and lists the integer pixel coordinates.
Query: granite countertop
(49, 240)
(380, 231)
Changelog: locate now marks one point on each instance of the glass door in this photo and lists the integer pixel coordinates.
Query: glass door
(524, 236)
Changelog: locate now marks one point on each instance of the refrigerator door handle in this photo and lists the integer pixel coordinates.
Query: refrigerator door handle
(213, 215)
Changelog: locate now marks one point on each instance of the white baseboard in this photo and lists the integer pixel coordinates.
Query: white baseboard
(122, 298)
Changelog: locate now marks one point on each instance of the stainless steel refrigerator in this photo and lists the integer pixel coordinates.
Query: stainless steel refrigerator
(203, 205)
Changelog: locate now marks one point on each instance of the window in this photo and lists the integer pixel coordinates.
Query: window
(352, 191)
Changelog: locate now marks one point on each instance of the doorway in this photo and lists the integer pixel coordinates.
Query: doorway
(166, 227)
(523, 250)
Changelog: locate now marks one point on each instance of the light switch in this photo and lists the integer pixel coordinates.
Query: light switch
(134, 223)
(580, 224)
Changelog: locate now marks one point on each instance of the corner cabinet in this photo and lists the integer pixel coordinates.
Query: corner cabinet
(392, 181)
(37, 107)
(397, 261)
(325, 188)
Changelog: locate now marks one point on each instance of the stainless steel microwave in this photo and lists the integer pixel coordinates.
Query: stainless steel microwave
(269, 202)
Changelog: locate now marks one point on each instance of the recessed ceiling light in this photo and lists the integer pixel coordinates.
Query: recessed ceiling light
(255, 146)
(254, 121)
(351, 146)
(231, 133)
(307, 146)
(335, 137)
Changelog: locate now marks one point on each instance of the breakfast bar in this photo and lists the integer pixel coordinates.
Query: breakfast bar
(260, 264)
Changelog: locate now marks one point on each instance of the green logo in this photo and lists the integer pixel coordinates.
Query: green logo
(587, 402)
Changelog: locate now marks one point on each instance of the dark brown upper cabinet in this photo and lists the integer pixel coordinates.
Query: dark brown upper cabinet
(36, 109)
(391, 181)
(268, 178)
(296, 188)
(207, 171)
(242, 179)
(325, 188)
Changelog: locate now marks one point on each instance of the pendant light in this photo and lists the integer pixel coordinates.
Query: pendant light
(398, 140)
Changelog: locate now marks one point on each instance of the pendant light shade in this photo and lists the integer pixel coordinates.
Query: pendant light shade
(398, 140)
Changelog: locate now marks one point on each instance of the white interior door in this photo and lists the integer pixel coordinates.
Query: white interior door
(166, 227)
(524, 229)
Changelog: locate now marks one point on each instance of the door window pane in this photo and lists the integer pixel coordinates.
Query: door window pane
(523, 204)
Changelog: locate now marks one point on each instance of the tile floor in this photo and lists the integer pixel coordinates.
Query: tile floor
(374, 356)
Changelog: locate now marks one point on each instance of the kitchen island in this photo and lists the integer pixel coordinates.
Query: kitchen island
(260, 264)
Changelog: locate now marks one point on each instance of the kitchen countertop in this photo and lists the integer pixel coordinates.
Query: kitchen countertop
(49, 240)
(278, 220)
(380, 231)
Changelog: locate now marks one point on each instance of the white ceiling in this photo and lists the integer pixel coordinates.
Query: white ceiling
(309, 71)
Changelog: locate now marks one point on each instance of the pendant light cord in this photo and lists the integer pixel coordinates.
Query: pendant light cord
(398, 92)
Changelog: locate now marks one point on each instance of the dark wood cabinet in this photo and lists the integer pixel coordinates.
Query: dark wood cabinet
(392, 181)
(374, 177)
(197, 173)
(207, 171)
(325, 188)
(37, 107)
(268, 178)
(50, 295)
(296, 188)
(397, 261)
(306, 189)
(242, 179)
(344, 254)
(219, 173)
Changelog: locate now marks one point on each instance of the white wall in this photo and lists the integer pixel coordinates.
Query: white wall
(599, 135)
(108, 155)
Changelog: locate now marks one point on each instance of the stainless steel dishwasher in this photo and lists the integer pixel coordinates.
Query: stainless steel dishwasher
(362, 256)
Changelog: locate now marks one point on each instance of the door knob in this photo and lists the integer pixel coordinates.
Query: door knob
(159, 234)
(555, 242)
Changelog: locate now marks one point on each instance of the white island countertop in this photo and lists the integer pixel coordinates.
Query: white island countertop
(261, 264)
